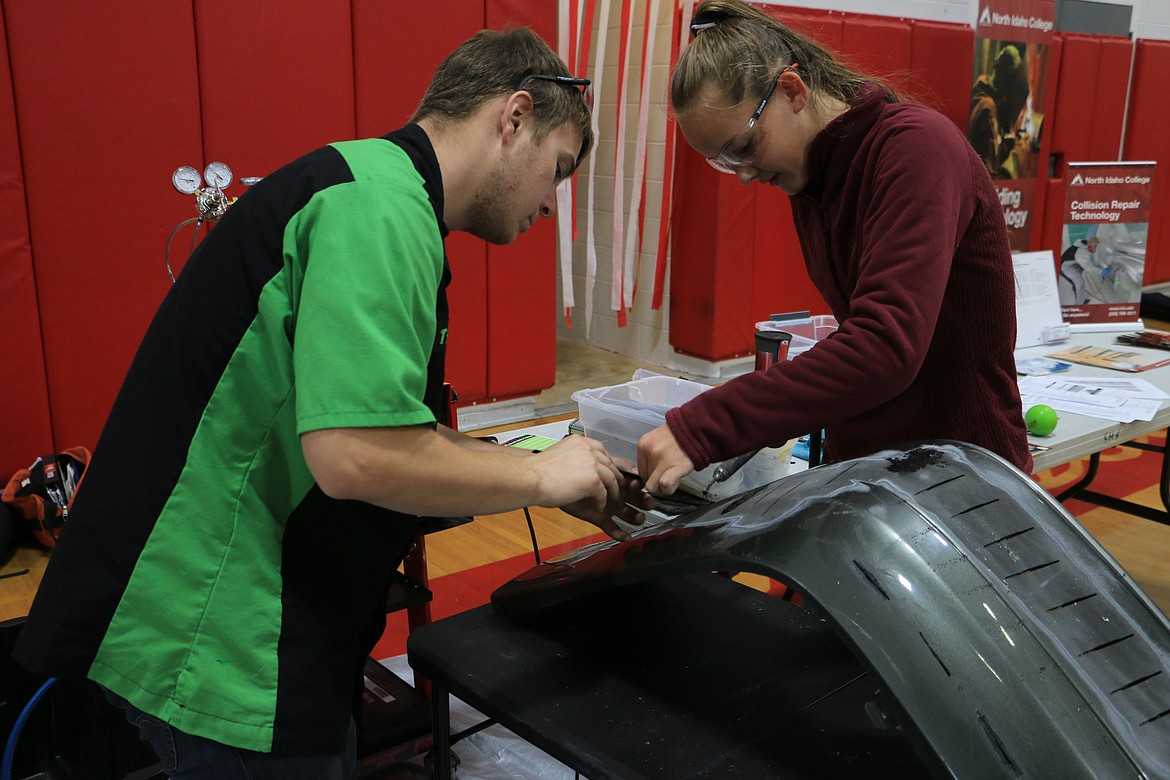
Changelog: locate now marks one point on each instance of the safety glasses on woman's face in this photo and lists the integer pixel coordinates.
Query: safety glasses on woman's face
(585, 85)
(737, 152)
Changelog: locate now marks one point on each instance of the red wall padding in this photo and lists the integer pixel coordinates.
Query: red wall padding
(108, 106)
(1109, 96)
(733, 279)
(712, 256)
(25, 431)
(540, 15)
(521, 278)
(521, 313)
(1073, 60)
(467, 333)
(397, 47)
(1053, 214)
(275, 81)
(825, 27)
(879, 46)
(1044, 235)
(1050, 190)
(942, 64)
(695, 256)
(389, 83)
(1147, 138)
(780, 281)
(1093, 74)
(1088, 75)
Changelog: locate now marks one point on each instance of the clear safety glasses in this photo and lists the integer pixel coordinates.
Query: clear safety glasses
(737, 152)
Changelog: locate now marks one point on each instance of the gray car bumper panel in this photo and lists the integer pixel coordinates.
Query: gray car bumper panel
(1008, 642)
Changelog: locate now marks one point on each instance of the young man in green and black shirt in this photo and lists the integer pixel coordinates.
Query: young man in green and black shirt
(225, 566)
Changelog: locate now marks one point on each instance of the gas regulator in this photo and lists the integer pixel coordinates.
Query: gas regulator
(210, 200)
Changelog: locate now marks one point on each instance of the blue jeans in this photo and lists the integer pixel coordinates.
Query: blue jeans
(187, 757)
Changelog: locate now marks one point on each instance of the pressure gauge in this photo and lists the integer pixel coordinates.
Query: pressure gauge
(186, 180)
(218, 175)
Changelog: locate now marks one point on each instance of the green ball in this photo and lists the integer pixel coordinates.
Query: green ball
(1041, 420)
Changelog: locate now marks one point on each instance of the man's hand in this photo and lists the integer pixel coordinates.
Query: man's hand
(576, 467)
(629, 507)
(661, 462)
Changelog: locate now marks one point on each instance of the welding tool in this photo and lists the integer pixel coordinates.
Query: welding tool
(726, 470)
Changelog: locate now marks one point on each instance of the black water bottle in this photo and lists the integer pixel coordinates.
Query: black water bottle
(771, 347)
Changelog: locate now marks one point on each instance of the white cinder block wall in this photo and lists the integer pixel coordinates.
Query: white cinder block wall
(645, 336)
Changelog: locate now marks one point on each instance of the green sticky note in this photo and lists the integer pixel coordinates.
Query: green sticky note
(530, 442)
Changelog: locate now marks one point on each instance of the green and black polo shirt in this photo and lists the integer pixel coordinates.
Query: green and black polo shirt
(202, 575)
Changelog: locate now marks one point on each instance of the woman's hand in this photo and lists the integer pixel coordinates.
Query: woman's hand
(662, 461)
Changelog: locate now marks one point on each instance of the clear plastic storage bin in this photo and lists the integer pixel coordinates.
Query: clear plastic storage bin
(618, 415)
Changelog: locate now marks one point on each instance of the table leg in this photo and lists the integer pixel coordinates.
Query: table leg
(1080, 489)
(814, 448)
(441, 730)
(414, 568)
(1164, 483)
(1085, 481)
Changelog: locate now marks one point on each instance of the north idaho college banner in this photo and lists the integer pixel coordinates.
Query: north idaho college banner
(1103, 241)
(1006, 123)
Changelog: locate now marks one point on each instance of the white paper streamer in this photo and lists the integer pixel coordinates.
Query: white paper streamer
(640, 151)
(564, 189)
(565, 241)
(590, 241)
(617, 296)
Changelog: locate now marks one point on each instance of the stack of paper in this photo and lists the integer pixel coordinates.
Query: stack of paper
(1124, 399)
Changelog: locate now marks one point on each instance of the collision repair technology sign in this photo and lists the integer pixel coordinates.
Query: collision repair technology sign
(1103, 252)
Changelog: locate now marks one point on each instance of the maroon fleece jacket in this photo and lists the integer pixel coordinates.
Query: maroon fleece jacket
(904, 237)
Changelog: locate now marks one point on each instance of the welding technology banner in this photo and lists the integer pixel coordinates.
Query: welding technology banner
(1103, 242)
(1006, 123)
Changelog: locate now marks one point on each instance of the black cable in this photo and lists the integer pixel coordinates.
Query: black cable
(532, 533)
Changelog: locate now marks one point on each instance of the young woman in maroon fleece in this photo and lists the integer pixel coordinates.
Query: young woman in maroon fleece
(902, 233)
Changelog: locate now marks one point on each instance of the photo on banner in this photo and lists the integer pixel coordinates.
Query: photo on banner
(1006, 120)
(1103, 242)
